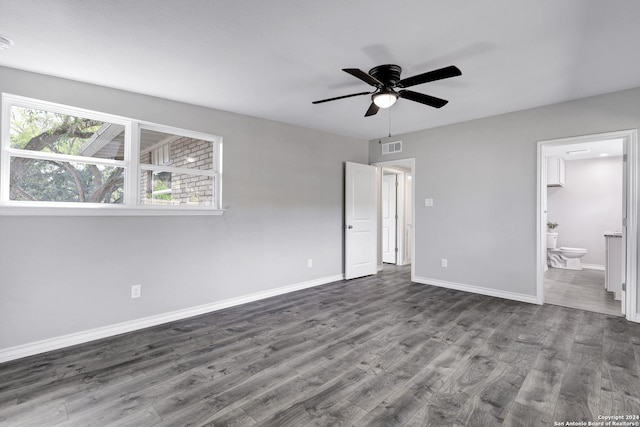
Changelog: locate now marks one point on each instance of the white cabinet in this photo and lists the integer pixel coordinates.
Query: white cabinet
(613, 267)
(555, 172)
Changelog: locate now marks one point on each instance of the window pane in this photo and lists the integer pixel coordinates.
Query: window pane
(56, 181)
(39, 130)
(166, 188)
(158, 148)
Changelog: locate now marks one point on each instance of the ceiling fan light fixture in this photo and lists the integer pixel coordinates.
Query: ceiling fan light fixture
(385, 98)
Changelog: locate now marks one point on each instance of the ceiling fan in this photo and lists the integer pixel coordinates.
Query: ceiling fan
(386, 79)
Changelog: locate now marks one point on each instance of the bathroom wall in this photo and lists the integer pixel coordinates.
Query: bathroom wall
(588, 205)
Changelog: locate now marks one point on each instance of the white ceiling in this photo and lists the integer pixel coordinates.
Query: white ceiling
(587, 150)
(271, 58)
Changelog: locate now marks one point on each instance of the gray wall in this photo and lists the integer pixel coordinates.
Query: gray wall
(589, 204)
(283, 188)
(482, 177)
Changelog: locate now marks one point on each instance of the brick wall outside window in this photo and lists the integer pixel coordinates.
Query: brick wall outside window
(187, 153)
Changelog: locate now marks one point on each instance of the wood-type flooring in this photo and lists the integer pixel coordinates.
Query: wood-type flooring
(375, 351)
(583, 289)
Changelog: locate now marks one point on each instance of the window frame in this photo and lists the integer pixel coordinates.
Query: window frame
(131, 205)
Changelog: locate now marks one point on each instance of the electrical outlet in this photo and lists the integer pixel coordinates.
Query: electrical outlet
(136, 291)
(309, 263)
(443, 263)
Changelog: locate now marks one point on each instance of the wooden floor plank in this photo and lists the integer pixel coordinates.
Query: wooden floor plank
(491, 404)
(581, 289)
(579, 397)
(378, 350)
(522, 415)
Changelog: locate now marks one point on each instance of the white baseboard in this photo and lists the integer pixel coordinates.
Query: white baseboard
(532, 299)
(593, 267)
(56, 343)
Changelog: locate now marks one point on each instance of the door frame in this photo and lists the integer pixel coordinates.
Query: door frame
(398, 237)
(630, 141)
(407, 163)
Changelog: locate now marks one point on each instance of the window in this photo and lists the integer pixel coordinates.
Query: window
(54, 156)
(175, 169)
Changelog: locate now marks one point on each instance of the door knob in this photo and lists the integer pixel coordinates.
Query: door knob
(350, 227)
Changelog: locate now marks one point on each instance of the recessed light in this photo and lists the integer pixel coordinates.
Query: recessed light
(5, 42)
(586, 150)
(603, 155)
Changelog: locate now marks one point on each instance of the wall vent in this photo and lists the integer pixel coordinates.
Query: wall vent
(392, 147)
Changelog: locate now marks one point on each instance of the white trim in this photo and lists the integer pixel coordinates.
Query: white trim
(411, 164)
(218, 178)
(630, 138)
(631, 262)
(132, 151)
(170, 130)
(477, 290)
(56, 343)
(173, 169)
(541, 245)
(592, 267)
(39, 155)
(5, 143)
(21, 101)
(96, 209)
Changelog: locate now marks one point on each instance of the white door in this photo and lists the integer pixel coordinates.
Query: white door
(389, 218)
(361, 215)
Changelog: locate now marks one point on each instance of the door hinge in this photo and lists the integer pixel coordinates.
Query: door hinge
(624, 222)
(624, 287)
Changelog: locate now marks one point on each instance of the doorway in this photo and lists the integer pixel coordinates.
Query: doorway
(391, 234)
(595, 222)
(396, 213)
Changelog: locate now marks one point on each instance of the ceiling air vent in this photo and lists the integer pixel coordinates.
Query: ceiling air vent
(392, 147)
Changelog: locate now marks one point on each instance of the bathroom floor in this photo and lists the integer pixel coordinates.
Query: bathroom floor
(583, 289)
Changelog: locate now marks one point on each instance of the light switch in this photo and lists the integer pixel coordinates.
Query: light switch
(428, 202)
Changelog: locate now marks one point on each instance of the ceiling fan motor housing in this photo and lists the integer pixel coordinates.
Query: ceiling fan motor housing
(388, 74)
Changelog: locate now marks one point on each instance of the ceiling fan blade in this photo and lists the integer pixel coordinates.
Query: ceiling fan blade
(341, 97)
(429, 100)
(430, 76)
(365, 77)
(373, 109)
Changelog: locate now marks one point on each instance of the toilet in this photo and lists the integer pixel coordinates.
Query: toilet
(567, 258)
(563, 257)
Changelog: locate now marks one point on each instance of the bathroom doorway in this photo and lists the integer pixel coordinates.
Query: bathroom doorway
(586, 221)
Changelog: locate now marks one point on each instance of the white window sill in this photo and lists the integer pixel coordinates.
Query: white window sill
(107, 210)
